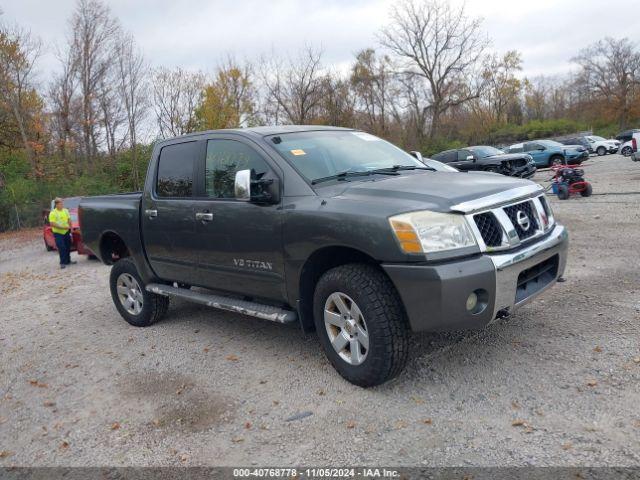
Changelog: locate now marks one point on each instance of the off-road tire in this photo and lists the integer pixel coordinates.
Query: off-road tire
(563, 192)
(154, 306)
(383, 312)
(588, 190)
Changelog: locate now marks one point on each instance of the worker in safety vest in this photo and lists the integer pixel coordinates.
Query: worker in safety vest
(60, 221)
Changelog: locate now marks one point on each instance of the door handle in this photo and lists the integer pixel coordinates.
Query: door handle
(151, 213)
(204, 216)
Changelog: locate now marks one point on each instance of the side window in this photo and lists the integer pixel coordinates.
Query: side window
(530, 147)
(175, 170)
(448, 156)
(463, 154)
(517, 148)
(224, 159)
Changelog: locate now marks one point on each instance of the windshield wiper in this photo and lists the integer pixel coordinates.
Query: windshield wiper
(353, 173)
(396, 168)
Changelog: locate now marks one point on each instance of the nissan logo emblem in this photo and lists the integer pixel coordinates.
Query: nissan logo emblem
(523, 220)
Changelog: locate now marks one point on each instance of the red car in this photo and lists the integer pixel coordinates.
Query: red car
(77, 245)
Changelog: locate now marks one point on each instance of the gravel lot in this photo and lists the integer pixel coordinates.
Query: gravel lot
(556, 384)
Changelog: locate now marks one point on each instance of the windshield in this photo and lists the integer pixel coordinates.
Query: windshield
(482, 152)
(595, 138)
(320, 154)
(550, 143)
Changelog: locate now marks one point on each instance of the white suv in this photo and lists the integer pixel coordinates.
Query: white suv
(601, 145)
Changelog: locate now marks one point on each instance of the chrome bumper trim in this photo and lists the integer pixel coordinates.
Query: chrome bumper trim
(508, 267)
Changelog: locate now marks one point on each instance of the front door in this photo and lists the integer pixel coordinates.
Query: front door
(168, 215)
(463, 162)
(537, 152)
(239, 243)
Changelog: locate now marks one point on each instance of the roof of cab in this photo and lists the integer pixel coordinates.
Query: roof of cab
(262, 131)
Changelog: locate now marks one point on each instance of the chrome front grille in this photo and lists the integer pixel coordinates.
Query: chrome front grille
(508, 226)
(523, 219)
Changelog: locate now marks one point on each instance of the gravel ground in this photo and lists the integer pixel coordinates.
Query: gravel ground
(556, 384)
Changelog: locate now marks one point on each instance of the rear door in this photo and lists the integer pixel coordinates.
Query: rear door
(239, 243)
(168, 222)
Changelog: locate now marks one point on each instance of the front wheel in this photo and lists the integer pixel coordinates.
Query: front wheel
(137, 306)
(361, 324)
(626, 151)
(601, 151)
(556, 160)
(587, 190)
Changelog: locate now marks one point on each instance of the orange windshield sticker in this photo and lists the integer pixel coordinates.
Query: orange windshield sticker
(298, 152)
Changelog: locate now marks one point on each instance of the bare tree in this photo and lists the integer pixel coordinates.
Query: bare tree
(502, 87)
(176, 94)
(293, 88)
(64, 113)
(611, 71)
(93, 34)
(133, 90)
(18, 54)
(376, 88)
(440, 45)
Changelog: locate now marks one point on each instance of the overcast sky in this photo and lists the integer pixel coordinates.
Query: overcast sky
(196, 34)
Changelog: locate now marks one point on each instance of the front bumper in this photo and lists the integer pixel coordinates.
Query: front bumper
(434, 296)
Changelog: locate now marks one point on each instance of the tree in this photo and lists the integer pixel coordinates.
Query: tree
(18, 54)
(375, 88)
(64, 107)
(610, 71)
(176, 95)
(439, 45)
(295, 88)
(502, 87)
(133, 90)
(229, 100)
(93, 34)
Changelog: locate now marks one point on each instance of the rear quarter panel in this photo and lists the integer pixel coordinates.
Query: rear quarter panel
(119, 214)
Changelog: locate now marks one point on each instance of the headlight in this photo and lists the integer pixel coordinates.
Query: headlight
(427, 232)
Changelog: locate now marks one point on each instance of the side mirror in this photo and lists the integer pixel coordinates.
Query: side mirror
(259, 191)
(470, 158)
(417, 155)
(242, 185)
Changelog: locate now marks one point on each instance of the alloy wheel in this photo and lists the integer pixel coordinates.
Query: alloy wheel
(346, 328)
(130, 293)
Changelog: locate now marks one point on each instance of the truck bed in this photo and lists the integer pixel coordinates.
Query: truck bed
(119, 213)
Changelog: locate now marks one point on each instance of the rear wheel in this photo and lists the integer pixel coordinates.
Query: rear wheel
(137, 306)
(587, 190)
(556, 160)
(626, 151)
(563, 192)
(601, 151)
(361, 324)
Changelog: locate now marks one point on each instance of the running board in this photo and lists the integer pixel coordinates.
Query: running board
(253, 309)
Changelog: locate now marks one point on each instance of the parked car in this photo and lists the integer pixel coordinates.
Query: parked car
(577, 141)
(626, 136)
(332, 228)
(77, 244)
(601, 145)
(547, 153)
(635, 145)
(488, 159)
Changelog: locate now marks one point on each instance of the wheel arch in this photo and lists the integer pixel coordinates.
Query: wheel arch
(112, 247)
(319, 262)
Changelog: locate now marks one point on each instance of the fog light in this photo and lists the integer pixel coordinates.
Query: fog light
(472, 301)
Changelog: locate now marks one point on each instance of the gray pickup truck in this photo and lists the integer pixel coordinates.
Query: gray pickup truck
(332, 228)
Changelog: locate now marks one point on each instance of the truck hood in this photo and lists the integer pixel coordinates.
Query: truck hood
(437, 191)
